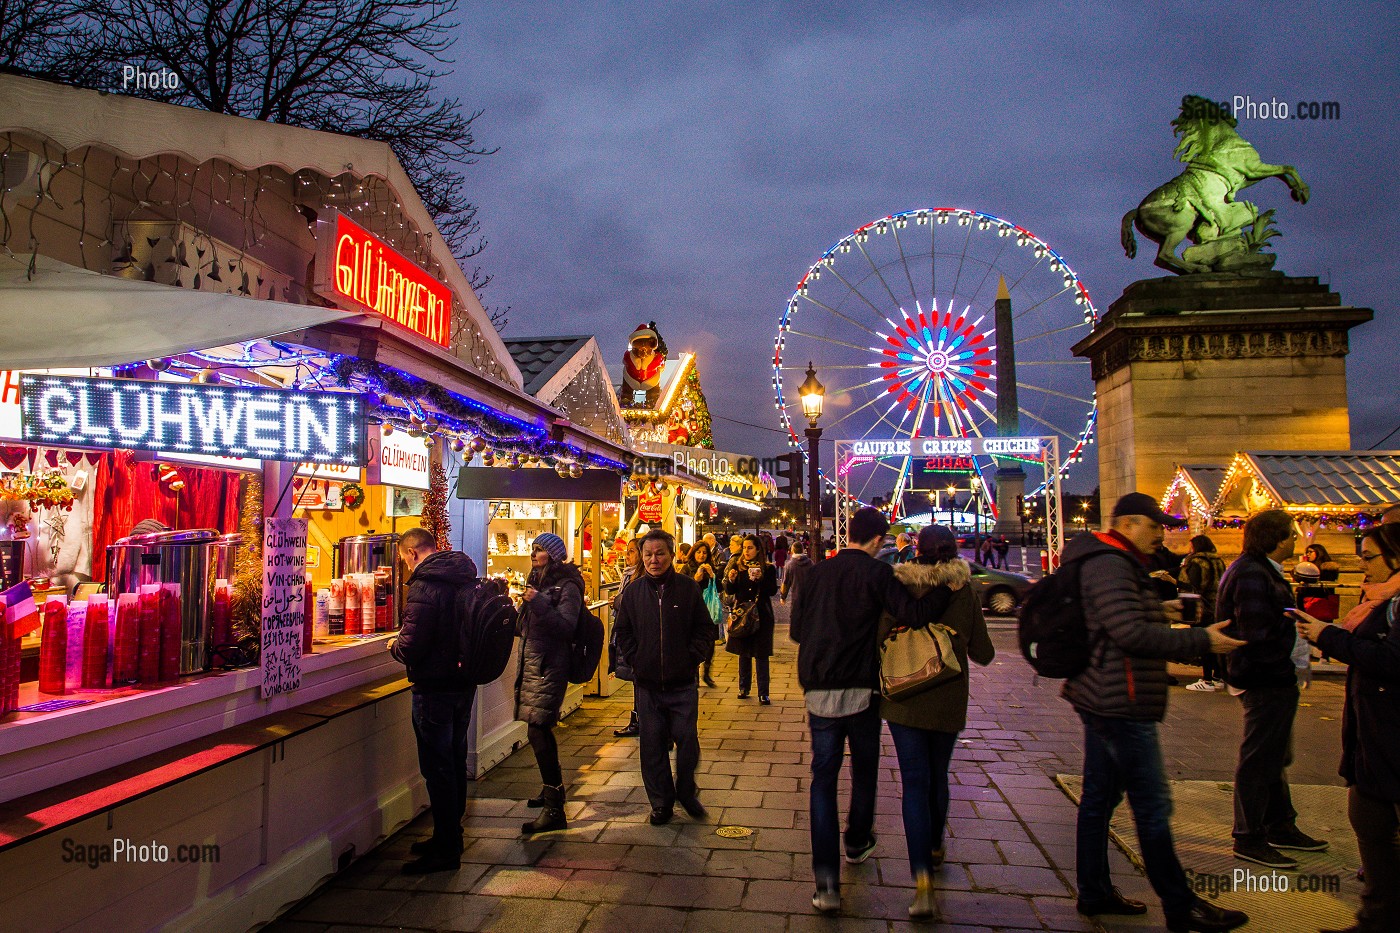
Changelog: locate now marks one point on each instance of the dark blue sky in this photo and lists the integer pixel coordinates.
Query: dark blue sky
(688, 164)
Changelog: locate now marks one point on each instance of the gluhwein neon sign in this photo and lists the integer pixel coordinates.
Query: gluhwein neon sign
(359, 271)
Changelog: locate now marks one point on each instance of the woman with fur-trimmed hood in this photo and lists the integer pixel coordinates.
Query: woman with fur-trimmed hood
(925, 726)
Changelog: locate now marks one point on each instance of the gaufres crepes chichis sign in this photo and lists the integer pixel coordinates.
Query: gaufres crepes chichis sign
(360, 272)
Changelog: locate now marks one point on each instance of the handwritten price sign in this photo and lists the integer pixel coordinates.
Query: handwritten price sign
(283, 612)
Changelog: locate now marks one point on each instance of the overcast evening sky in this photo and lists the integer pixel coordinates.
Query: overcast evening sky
(687, 162)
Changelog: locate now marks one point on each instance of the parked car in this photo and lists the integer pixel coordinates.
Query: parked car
(1001, 591)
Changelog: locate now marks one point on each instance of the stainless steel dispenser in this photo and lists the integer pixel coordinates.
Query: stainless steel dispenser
(378, 555)
(182, 557)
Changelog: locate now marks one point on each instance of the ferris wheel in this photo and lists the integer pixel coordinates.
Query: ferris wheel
(938, 322)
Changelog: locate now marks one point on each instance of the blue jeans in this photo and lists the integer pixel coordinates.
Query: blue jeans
(440, 722)
(1124, 755)
(924, 755)
(829, 738)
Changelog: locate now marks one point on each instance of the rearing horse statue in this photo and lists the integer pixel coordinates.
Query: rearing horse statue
(1199, 203)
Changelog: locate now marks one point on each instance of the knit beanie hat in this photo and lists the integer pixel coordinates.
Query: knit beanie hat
(553, 545)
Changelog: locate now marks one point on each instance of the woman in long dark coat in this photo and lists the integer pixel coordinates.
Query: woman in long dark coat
(553, 600)
(749, 576)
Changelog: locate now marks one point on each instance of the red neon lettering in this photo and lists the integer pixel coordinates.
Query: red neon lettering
(9, 388)
(372, 275)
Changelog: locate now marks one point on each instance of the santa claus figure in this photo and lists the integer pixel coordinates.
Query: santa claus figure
(641, 368)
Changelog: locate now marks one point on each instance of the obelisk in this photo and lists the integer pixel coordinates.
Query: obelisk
(1011, 479)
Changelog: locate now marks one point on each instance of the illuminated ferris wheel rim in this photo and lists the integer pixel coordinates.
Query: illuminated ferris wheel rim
(925, 216)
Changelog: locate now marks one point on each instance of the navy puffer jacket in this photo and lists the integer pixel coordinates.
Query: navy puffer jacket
(547, 626)
(1127, 675)
(427, 644)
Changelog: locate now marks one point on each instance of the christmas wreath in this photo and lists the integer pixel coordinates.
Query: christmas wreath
(353, 495)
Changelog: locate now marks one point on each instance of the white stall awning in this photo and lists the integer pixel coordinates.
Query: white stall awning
(62, 316)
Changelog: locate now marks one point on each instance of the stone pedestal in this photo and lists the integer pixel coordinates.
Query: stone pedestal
(1193, 368)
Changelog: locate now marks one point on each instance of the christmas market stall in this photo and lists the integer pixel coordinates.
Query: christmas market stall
(1191, 495)
(240, 360)
(1333, 495)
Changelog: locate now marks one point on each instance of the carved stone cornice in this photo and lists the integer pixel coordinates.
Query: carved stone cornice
(1177, 319)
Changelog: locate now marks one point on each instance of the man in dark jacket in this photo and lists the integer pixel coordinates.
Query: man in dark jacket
(835, 614)
(797, 566)
(1264, 674)
(664, 632)
(1121, 696)
(427, 645)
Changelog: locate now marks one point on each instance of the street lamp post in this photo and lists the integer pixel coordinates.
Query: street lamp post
(972, 499)
(812, 393)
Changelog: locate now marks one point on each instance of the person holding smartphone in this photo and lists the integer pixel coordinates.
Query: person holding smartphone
(1370, 721)
(748, 577)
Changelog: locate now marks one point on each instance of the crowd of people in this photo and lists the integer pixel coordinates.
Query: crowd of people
(1142, 606)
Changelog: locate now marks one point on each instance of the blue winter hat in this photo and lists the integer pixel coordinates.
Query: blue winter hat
(553, 545)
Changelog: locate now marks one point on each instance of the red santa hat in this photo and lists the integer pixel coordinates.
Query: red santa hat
(641, 332)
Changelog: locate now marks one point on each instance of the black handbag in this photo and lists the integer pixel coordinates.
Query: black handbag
(743, 619)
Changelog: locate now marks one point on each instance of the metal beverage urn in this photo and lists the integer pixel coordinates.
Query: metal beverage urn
(185, 558)
(377, 555)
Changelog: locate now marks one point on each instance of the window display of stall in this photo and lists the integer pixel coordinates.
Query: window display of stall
(513, 525)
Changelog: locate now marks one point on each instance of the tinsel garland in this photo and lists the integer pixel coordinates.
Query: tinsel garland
(246, 606)
(434, 519)
(704, 436)
(458, 413)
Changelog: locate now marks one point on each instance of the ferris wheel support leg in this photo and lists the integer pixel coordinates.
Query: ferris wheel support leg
(1054, 527)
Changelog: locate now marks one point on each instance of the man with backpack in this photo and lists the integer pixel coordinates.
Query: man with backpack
(1121, 695)
(664, 633)
(428, 646)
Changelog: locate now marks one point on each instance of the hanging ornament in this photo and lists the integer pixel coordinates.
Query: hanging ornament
(488, 458)
(458, 444)
(429, 440)
(160, 365)
(169, 477)
(575, 470)
(513, 463)
(478, 444)
(353, 495)
(388, 428)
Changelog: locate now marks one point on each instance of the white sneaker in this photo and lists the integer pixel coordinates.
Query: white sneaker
(827, 900)
(1219, 684)
(1203, 686)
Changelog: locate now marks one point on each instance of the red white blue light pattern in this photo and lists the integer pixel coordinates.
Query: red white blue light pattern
(937, 359)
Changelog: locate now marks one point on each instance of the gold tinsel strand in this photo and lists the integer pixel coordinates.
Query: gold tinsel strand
(246, 605)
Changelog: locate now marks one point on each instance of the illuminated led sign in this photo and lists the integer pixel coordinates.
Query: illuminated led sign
(360, 272)
(949, 447)
(949, 465)
(225, 421)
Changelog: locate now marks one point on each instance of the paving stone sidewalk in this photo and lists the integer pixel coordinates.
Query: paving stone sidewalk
(1011, 828)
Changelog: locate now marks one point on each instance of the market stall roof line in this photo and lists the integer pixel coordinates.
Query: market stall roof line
(370, 338)
(1367, 479)
(72, 118)
(64, 316)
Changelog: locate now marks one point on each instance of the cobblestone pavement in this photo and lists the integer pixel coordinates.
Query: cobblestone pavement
(1011, 829)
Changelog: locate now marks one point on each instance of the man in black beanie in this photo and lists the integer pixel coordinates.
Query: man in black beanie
(835, 614)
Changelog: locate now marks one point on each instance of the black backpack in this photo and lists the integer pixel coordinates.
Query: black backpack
(587, 648)
(1050, 626)
(486, 632)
